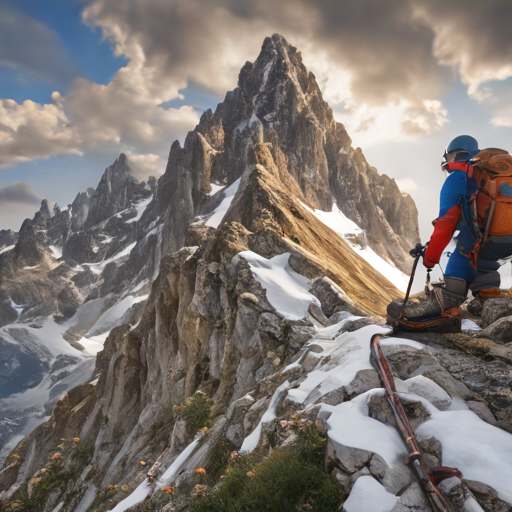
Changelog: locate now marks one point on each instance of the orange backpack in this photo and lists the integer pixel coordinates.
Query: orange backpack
(491, 205)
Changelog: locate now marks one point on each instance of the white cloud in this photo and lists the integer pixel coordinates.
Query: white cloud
(383, 65)
(29, 130)
(91, 119)
(399, 121)
(144, 166)
(374, 64)
(406, 184)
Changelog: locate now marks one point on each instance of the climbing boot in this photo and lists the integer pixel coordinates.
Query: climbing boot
(442, 298)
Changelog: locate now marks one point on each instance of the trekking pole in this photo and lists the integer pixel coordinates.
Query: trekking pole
(428, 477)
(417, 254)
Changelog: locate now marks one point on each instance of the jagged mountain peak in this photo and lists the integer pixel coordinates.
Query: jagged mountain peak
(113, 194)
(279, 103)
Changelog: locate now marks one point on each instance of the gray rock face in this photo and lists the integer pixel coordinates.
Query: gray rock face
(27, 249)
(332, 297)
(499, 331)
(80, 209)
(278, 103)
(116, 190)
(494, 309)
(7, 238)
(39, 291)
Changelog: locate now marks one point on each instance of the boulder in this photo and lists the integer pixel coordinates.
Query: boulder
(499, 331)
(494, 309)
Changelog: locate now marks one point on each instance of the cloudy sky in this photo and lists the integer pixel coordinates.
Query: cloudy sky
(83, 80)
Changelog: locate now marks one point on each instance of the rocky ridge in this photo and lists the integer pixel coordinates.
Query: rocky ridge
(254, 298)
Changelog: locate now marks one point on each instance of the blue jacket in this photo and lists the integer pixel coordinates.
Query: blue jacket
(454, 213)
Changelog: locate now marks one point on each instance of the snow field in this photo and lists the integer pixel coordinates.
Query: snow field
(145, 489)
(368, 495)
(56, 251)
(140, 207)
(6, 249)
(219, 212)
(286, 290)
(251, 441)
(344, 227)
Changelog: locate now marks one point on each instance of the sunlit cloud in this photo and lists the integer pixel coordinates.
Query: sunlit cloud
(384, 73)
(406, 184)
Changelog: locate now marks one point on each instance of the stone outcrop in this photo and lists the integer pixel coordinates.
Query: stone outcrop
(7, 238)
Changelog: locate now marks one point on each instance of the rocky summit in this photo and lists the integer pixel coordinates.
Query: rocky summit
(202, 342)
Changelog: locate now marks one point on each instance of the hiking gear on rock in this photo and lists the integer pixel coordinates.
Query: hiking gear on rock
(439, 301)
(428, 477)
(490, 293)
(445, 318)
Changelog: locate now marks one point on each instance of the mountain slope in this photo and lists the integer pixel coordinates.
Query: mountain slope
(238, 205)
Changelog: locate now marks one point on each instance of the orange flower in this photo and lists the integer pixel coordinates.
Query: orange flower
(250, 474)
(125, 488)
(234, 455)
(56, 456)
(169, 489)
(200, 489)
(142, 463)
(76, 440)
(201, 471)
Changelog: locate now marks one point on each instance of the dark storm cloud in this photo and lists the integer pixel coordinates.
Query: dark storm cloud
(32, 48)
(19, 192)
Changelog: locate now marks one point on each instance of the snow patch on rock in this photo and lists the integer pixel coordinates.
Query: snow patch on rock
(286, 290)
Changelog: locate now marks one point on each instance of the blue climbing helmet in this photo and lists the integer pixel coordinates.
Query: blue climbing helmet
(460, 149)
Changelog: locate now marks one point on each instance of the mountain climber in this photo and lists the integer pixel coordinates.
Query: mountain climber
(476, 200)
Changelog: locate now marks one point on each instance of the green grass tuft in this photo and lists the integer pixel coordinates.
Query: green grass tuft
(291, 479)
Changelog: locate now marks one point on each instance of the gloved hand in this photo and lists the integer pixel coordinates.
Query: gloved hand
(419, 250)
